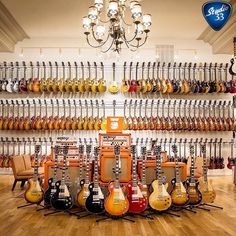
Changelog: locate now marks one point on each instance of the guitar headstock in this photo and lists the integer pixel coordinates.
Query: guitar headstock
(81, 149)
(143, 151)
(174, 149)
(191, 150)
(88, 148)
(57, 150)
(157, 150)
(117, 150)
(96, 150)
(37, 148)
(65, 150)
(203, 149)
(133, 149)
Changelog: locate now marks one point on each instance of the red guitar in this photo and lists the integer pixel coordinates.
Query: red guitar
(137, 202)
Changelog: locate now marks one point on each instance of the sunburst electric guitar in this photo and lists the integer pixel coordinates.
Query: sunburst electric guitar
(34, 192)
(208, 193)
(159, 199)
(178, 193)
(116, 204)
(195, 196)
(84, 183)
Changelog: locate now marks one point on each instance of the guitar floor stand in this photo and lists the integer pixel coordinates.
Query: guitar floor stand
(199, 207)
(60, 211)
(140, 214)
(45, 207)
(153, 212)
(211, 205)
(30, 204)
(107, 217)
(182, 208)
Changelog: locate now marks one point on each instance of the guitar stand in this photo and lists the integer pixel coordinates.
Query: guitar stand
(199, 207)
(180, 208)
(59, 211)
(45, 207)
(29, 204)
(141, 214)
(107, 217)
(154, 212)
(211, 205)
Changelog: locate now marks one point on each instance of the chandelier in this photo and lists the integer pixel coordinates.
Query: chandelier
(116, 26)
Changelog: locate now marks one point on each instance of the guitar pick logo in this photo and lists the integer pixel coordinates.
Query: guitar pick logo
(217, 13)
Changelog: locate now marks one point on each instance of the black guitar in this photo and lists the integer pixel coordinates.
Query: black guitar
(52, 182)
(192, 184)
(95, 201)
(62, 199)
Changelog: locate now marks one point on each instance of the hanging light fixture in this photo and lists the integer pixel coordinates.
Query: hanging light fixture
(113, 32)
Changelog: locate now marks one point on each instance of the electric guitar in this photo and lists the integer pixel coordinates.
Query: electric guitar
(53, 183)
(195, 196)
(159, 199)
(34, 192)
(178, 193)
(116, 204)
(62, 199)
(84, 183)
(95, 201)
(208, 193)
(144, 189)
(137, 202)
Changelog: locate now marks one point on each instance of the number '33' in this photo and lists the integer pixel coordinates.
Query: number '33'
(219, 16)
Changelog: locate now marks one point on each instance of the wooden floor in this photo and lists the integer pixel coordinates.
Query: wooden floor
(26, 221)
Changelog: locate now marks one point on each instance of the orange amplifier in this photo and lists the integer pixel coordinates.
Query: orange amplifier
(72, 171)
(168, 169)
(107, 159)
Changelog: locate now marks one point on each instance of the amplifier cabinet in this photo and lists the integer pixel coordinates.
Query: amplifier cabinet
(72, 174)
(168, 171)
(108, 164)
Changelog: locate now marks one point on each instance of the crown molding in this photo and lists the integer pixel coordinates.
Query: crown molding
(221, 41)
(10, 31)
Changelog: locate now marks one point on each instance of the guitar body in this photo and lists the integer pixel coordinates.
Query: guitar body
(178, 194)
(95, 201)
(34, 192)
(195, 196)
(159, 199)
(61, 202)
(116, 204)
(83, 193)
(102, 86)
(52, 187)
(137, 202)
(208, 193)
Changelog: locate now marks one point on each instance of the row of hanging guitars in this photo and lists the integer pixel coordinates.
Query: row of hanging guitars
(149, 78)
(191, 115)
(52, 78)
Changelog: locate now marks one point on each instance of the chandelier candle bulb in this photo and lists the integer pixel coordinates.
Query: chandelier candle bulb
(98, 4)
(100, 30)
(113, 8)
(86, 23)
(136, 11)
(147, 20)
(93, 13)
(132, 3)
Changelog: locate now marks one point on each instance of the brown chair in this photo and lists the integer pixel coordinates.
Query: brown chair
(22, 170)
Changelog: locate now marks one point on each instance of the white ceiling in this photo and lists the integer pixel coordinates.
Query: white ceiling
(180, 19)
